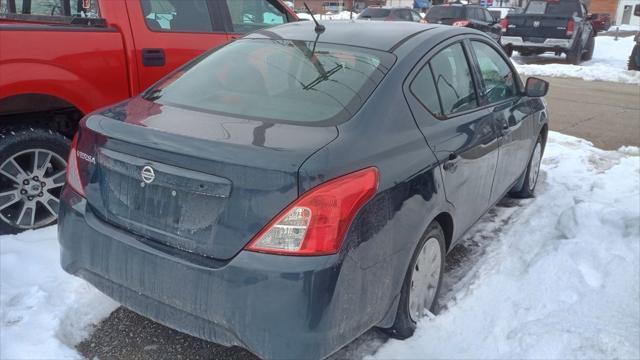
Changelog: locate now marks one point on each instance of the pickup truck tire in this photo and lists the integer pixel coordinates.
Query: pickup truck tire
(32, 172)
(591, 45)
(632, 59)
(508, 51)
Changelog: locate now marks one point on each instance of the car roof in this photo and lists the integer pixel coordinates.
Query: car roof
(363, 33)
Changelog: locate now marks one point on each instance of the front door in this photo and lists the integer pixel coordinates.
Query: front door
(168, 33)
(511, 113)
(463, 136)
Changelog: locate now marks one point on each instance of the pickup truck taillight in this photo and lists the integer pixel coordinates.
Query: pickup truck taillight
(461, 23)
(317, 222)
(504, 24)
(571, 25)
(77, 166)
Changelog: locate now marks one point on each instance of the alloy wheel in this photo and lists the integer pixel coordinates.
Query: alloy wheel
(30, 185)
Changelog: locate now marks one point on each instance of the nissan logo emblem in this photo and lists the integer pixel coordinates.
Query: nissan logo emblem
(148, 175)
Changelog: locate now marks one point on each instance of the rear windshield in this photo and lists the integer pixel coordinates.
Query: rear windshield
(373, 13)
(559, 8)
(445, 12)
(278, 81)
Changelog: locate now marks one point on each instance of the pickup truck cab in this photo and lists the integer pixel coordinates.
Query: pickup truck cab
(558, 26)
(62, 59)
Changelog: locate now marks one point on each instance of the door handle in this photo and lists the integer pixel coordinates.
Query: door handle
(153, 57)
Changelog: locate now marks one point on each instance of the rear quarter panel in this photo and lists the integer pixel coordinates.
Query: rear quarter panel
(84, 66)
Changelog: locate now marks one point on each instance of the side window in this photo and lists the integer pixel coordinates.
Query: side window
(488, 16)
(51, 8)
(424, 89)
(453, 80)
(405, 15)
(415, 16)
(498, 79)
(251, 15)
(177, 15)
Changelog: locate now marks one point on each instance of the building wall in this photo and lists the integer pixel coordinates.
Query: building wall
(317, 5)
(603, 6)
(631, 19)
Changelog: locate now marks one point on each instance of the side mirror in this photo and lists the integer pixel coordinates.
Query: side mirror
(536, 87)
(636, 10)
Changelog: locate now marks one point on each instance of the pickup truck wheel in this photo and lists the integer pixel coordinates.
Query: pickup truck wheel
(422, 282)
(633, 65)
(508, 51)
(32, 173)
(591, 45)
(575, 56)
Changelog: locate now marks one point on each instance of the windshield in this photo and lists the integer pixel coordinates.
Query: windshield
(445, 12)
(561, 8)
(373, 13)
(277, 80)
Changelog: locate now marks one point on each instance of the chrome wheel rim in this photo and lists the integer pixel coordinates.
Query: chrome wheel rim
(425, 277)
(535, 166)
(30, 185)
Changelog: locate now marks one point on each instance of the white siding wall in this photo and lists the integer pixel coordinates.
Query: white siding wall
(633, 20)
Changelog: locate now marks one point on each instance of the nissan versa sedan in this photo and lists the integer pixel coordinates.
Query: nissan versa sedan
(299, 186)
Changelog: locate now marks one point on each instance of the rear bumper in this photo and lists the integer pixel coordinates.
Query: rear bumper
(275, 306)
(517, 42)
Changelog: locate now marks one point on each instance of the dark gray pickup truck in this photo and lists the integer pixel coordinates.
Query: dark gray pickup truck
(558, 26)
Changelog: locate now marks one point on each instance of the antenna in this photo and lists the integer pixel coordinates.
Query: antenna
(319, 27)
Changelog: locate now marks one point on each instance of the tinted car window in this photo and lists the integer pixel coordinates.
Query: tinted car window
(251, 15)
(561, 8)
(488, 17)
(498, 79)
(177, 15)
(424, 89)
(445, 12)
(416, 17)
(404, 15)
(278, 80)
(51, 8)
(453, 80)
(373, 13)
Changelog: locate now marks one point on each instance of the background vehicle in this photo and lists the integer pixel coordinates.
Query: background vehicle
(60, 61)
(634, 58)
(501, 12)
(471, 16)
(390, 14)
(558, 26)
(240, 199)
(601, 22)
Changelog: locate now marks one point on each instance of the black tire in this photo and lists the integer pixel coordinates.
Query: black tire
(574, 56)
(528, 185)
(403, 326)
(20, 139)
(633, 65)
(591, 45)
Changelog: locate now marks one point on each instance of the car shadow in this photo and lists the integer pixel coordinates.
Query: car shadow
(127, 335)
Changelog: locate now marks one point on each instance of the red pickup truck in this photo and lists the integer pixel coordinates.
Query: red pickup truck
(61, 59)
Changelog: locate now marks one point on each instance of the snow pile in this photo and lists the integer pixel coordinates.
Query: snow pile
(609, 63)
(562, 279)
(624, 27)
(44, 311)
(343, 15)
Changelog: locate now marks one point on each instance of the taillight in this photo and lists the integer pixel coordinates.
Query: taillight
(570, 27)
(461, 23)
(504, 24)
(317, 222)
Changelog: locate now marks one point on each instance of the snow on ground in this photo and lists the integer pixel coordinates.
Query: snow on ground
(609, 63)
(624, 27)
(555, 277)
(44, 311)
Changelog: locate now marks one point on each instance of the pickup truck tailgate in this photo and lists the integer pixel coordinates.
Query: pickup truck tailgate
(533, 27)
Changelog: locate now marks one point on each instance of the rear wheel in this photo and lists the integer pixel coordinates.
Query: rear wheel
(508, 51)
(591, 45)
(531, 174)
(32, 173)
(422, 282)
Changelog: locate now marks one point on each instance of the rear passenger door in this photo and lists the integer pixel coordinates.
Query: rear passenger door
(168, 33)
(443, 97)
